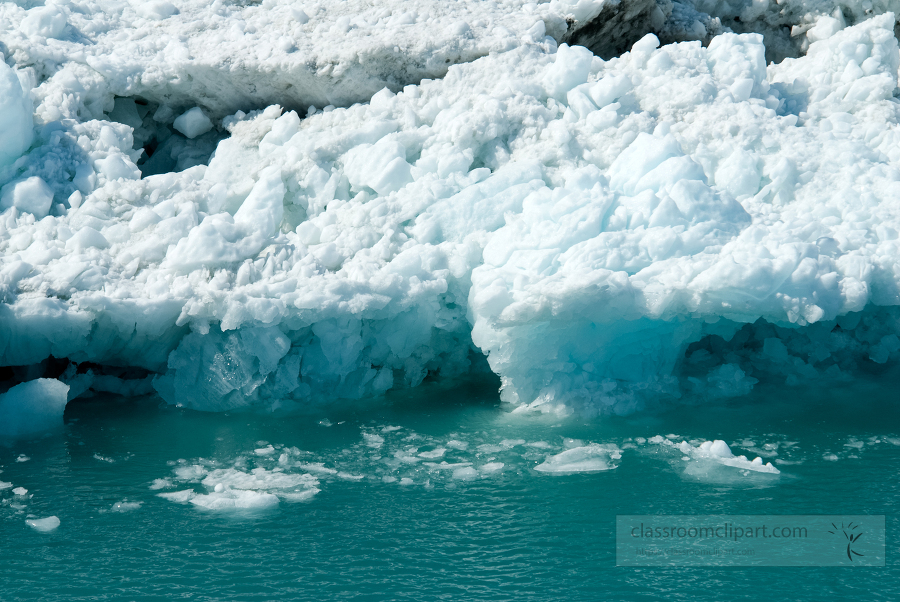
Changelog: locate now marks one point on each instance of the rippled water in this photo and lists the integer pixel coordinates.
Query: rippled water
(467, 531)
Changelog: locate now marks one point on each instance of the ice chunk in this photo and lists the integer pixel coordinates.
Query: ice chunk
(465, 473)
(20, 491)
(181, 497)
(31, 195)
(594, 457)
(235, 500)
(259, 479)
(372, 440)
(381, 167)
(47, 21)
(491, 467)
(571, 68)
(126, 506)
(32, 407)
(193, 123)
(44, 525)
(157, 9)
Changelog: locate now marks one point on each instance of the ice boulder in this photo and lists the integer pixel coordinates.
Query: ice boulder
(31, 195)
(33, 407)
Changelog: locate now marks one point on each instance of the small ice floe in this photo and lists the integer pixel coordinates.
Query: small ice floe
(594, 457)
(830, 457)
(467, 473)
(125, 506)
(372, 440)
(103, 458)
(708, 453)
(160, 484)
(458, 445)
(324, 422)
(235, 500)
(390, 429)
(264, 451)
(5, 485)
(20, 491)
(433, 454)
(44, 525)
(22, 458)
(491, 467)
(446, 465)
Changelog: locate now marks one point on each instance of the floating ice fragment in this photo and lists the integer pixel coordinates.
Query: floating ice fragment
(5, 485)
(491, 467)
(830, 457)
(160, 484)
(264, 451)
(22, 458)
(590, 458)
(180, 497)
(20, 491)
(125, 506)
(465, 474)
(433, 454)
(44, 525)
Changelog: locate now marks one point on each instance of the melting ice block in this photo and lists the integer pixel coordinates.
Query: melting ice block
(32, 407)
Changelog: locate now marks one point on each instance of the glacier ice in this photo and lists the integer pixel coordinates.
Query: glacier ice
(677, 218)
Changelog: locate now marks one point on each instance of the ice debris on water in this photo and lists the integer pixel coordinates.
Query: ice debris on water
(44, 525)
(670, 218)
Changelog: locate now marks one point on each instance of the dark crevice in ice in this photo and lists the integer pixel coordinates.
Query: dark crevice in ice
(857, 344)
(84, 378)
(165, 149)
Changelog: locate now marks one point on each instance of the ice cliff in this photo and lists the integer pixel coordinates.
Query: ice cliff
(677, 218)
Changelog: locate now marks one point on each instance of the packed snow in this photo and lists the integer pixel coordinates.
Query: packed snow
(678, 218)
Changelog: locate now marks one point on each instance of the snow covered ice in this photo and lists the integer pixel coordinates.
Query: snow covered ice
(674, 218)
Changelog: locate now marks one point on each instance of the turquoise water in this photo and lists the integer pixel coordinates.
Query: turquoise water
(510, 533)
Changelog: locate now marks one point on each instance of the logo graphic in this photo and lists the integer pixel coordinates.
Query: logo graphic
(851, 535)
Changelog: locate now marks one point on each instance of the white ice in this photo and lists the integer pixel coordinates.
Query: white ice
(595, 457)
(493, 191)
(44, 525)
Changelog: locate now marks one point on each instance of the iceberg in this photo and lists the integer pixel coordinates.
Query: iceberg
(604, 226)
